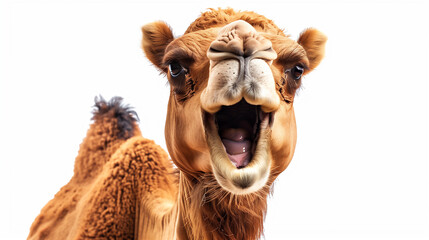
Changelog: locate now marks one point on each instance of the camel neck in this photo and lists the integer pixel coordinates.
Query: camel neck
(206, 211)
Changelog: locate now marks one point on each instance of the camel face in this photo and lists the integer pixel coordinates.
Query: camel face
(233, 78)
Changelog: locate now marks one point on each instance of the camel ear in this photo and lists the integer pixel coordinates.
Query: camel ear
(156, 37)
(313, 41)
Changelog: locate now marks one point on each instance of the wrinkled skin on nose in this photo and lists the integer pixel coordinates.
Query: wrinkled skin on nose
(241, 39)
(240, 61)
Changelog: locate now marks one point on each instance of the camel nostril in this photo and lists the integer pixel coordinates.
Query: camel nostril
(234, 46)
(214, 50)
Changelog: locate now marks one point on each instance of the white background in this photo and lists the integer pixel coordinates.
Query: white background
(360, 169)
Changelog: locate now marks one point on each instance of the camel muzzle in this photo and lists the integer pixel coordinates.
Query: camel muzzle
(239, 104)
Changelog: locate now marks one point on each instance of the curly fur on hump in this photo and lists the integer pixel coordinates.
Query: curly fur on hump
(114, 169)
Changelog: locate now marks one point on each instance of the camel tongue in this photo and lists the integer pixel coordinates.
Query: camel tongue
(240, 160)
(237, 146)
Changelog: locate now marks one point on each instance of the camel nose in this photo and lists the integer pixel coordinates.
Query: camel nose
(240, 39)
(240, 68)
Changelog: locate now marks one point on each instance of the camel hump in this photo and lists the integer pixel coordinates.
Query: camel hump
(114, 123)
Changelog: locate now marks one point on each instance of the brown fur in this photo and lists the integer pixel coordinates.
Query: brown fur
(313, 42)
(215, 213)
(125, 187)
(158, 36)
(221, 17)
(115, 173)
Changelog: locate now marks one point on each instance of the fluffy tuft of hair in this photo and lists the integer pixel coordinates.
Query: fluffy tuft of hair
(220, 17)
(124, 115)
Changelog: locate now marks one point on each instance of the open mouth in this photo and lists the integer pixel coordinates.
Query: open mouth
(239, 137)
(238, 128)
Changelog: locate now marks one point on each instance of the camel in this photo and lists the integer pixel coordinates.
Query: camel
(230, 131)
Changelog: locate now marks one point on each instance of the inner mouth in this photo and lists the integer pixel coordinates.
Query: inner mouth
(238, 128)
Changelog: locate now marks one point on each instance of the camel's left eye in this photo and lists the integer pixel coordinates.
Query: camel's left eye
(175, 69)
(297, 72)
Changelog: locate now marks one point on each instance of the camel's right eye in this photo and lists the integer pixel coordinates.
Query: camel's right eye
(178, 77)
(176, 69)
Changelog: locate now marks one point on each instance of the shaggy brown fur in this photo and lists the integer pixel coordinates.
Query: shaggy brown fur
(115, 170)
(125, 187)
(221, 17)
(221, 215)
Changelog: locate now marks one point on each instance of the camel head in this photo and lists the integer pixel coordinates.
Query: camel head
(233, 78)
